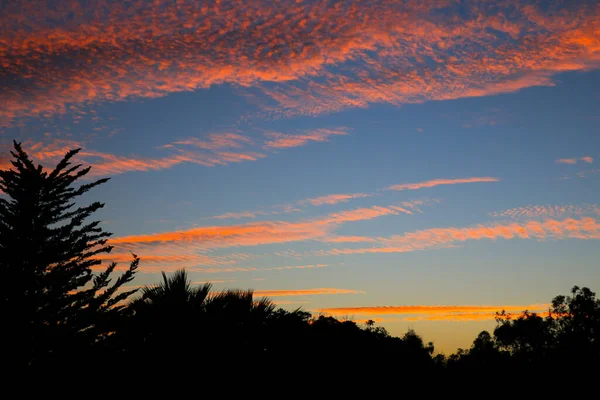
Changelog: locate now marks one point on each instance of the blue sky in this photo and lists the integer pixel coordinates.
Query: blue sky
(263, 154)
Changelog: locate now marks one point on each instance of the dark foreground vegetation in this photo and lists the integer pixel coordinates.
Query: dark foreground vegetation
(64, 314)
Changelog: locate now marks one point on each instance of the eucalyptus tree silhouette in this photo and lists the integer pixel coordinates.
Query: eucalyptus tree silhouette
(569, 335)
(53, 305)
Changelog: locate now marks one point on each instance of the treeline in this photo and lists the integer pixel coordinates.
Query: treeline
(61, 317)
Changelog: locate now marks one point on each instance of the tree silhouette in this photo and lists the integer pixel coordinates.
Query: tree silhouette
(568, 336)
(52, 302)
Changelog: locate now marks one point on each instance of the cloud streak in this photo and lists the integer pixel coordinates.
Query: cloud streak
(545, 211)
(217, 149)
(331, 199)
(584, 228)
(435, 313)
(438, 182)
(572, 161)
(277, 140)
(306, 57)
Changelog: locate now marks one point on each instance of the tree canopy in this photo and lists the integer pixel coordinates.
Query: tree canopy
(53, 298)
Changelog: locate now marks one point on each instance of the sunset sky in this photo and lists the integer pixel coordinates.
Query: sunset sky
(421, 164)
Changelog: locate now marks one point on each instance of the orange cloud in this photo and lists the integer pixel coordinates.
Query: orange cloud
(216, 149)
(437, 182)
(256, 233)
(284, 141)
(464, 317)
(55, 56)
(361, 214)
(250, 234)
(304, 292)
(584, 228)
(566, 161)
(428, 310)
(571, 161)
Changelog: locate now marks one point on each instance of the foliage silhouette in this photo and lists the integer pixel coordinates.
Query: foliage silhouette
(62, 317)
(568, 336)
(52, 301)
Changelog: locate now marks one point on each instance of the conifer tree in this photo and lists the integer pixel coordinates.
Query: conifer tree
(53, 303)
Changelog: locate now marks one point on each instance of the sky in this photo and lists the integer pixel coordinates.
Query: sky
(420, 164)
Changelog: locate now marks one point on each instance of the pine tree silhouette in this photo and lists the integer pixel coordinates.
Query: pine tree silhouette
(53, 305)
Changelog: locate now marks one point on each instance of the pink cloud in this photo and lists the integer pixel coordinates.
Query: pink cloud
(375, 52)
(437, 182)
(566, 161)
(284, 141)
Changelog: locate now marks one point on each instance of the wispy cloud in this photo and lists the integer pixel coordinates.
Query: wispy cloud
(277, 140)
(188, 247)
(467, 317)
(566, 161)
(437, 182)
(215, 141)
(571, 161)
(426, 309)
(350, 239)
(544, 211)
(584, 228)
(586, 173)
(264, 232)
(375, 52)
(365, 213)
(435, 312)
(304, 292)
(331, 199)
(241, 214)
(214, 150)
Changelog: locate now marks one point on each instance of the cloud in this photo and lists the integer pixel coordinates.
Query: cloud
(584, 228)
(586, 173)
(249, 234)
(331, 199)
(304, 292)
(544, 211)
(434, 310)
(466, 317)
(306, 57)
(366, 213)
(349, 239)
(566, 161)
(216, 141)
(239, 215)
(571, 161)
(283, 141)
(259, 233)
(437, 182)
(188, 247)
(214, 150)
